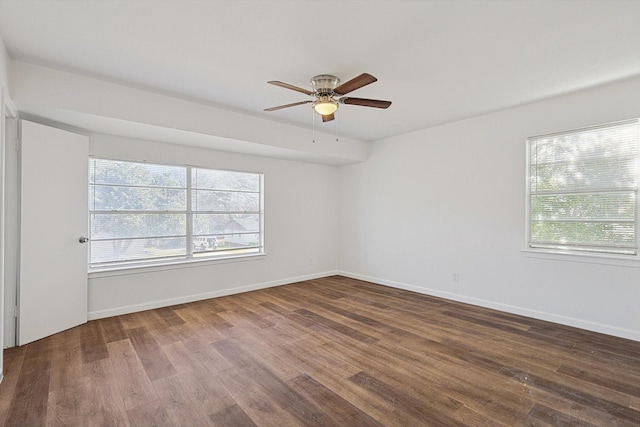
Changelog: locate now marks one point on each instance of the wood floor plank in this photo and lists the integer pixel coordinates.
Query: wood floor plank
(255, 401)
(469, 417)
(150, 414)
(255, 319)
(635, 403)
(233, 416)
(343, 412)
(317, 356)
(334, 376)
(390, 368)
(169, 316)
(578, 396)
(556, 418)
(13, 358)
(112, 329)
(620, 384)
(210, 395)
(464, 383)
(103, 402)
(286, 397)
(274, 360)
(67, 388)
(421, 410)
(207, 355)
(93, 344)
(67, 359)
(336, 326)
(330, 351)
(594, 341)
(516, 368)
(130, 378)
(205, 324)
(178, 402)
(31, 393)
(170, 334)
(69, 406)
(153, 359)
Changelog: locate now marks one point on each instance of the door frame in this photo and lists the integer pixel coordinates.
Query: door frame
(9, 243)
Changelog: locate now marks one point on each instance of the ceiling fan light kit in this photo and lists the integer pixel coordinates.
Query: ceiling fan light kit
(327, 90)
(326, 107)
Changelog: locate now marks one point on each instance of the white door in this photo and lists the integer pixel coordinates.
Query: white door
(52, 294)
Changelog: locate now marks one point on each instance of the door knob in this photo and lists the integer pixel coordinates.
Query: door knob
(83, 239)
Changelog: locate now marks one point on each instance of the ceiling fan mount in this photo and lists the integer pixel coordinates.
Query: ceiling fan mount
(327, 90)
(324, 83)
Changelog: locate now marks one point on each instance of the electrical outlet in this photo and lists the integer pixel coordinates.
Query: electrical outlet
(455, 277)
(310, 261)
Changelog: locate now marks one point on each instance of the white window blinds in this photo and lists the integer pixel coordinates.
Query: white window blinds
(150, 213)
(583, 187)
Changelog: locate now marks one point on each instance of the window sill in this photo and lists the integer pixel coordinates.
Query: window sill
(605, 259)
(123, 270)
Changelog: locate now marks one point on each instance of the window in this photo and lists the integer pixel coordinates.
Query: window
(142, 212)
(583, 190)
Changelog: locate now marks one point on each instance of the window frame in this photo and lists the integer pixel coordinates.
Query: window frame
(569, 254)
(179, 261)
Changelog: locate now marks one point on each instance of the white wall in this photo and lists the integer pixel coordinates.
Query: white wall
(300, 231)
(452, 199)
(4, 67)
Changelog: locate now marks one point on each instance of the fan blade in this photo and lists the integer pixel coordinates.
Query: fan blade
(328, 117)
(366, 102)
(292, 87)
(355, 83)
(280, 107)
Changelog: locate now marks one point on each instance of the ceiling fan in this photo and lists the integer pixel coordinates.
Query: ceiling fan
(327, 89)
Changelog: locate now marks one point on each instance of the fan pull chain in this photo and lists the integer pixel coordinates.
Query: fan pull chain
(313, 127)
(337, 130)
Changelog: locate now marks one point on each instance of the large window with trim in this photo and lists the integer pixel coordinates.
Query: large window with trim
(583, 190)
(143, 213)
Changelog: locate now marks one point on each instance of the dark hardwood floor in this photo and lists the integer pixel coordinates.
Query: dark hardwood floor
(326, 352)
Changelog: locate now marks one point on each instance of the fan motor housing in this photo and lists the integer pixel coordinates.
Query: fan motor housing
(324, 83)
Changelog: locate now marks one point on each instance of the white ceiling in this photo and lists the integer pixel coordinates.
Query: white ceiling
(438, 61)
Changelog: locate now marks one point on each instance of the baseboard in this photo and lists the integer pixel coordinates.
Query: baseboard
(117, 311)
(541, 315)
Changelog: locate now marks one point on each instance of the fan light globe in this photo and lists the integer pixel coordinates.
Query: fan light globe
(325, 108)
